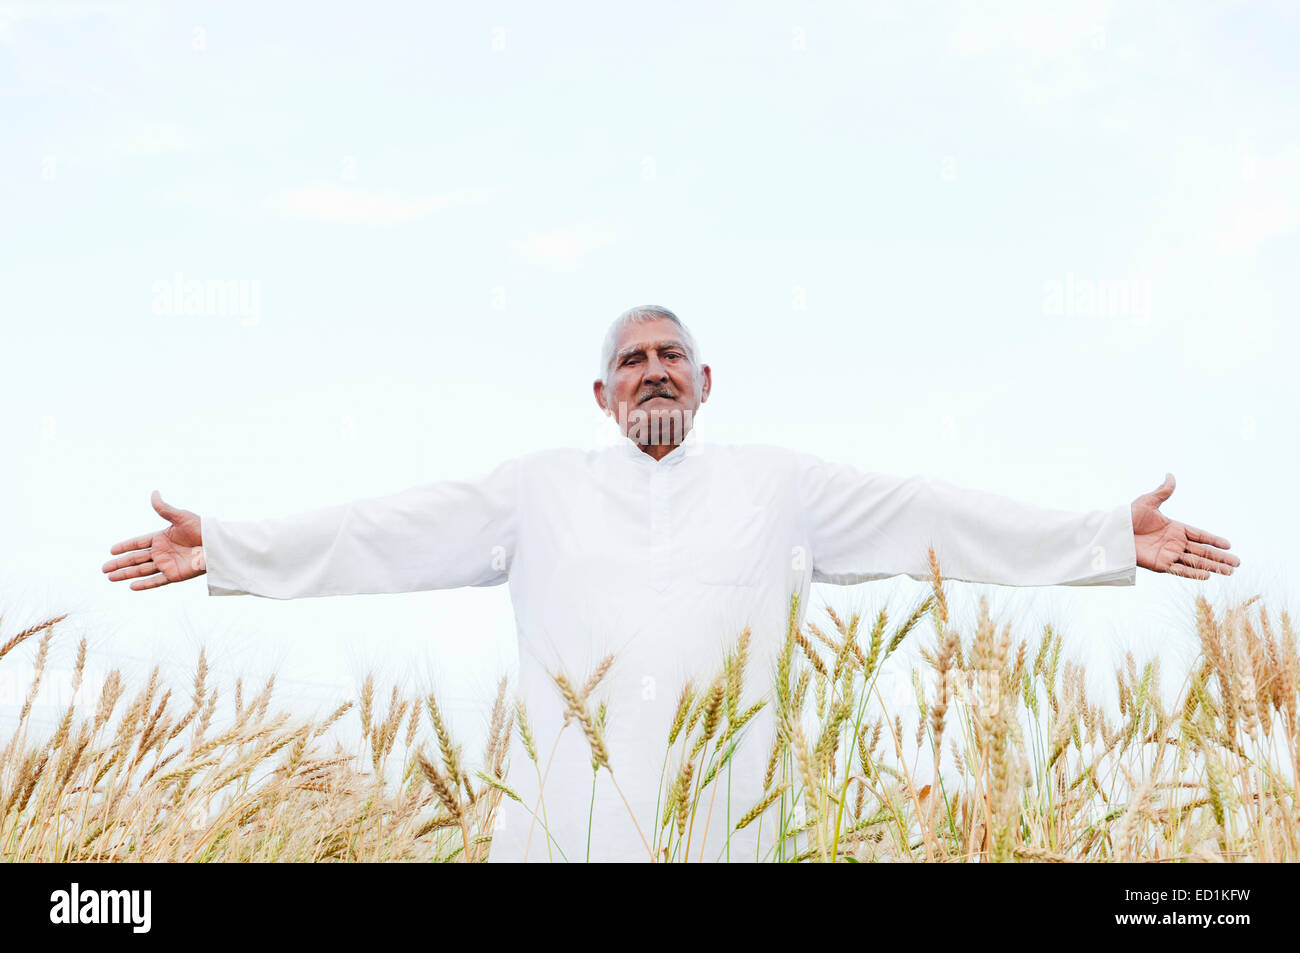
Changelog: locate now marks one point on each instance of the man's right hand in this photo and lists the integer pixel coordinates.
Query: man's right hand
(173, 554)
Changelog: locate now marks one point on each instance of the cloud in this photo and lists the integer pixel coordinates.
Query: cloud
(1265, 204)
(1211, 255)
(564, 249)
(14, 14)
(1028, 28)
(152, 139)
(1046, 52)
(333, 203)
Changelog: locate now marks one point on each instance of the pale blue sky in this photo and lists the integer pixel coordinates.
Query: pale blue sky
(862, 211)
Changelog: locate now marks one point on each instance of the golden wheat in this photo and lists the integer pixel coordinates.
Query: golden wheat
(1033, 769)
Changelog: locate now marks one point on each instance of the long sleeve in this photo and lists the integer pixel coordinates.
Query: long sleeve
(865, 526)
(436, 536)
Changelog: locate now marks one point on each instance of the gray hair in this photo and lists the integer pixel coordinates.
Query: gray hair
(646, 312)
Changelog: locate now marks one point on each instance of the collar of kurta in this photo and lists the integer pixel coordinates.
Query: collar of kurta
(689, 447)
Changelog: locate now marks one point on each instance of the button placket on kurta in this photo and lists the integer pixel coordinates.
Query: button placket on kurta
(661, 527)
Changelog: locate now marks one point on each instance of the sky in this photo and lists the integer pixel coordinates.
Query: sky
(1042, 250)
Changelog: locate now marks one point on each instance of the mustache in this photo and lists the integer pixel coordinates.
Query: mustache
(659, 391)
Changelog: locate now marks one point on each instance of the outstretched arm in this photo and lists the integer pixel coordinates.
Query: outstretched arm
(865, 526)
(436, 536)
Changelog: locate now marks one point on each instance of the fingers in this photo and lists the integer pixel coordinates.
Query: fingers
(1201, 536)
(1206, 552)
(152, 582)
(1197, 562)
(133, 559)
(1178, 569)
(133, 572)
(139, 542)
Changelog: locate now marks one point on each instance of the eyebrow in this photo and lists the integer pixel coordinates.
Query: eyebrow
(650, 346)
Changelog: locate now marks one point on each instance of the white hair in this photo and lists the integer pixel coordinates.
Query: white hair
(646, 312)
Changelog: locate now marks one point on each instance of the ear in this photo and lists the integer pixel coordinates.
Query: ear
(707, 373)
(598, 388)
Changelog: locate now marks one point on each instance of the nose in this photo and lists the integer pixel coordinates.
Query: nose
(654, 369)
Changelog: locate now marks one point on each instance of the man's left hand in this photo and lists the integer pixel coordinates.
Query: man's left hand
(1165, 545)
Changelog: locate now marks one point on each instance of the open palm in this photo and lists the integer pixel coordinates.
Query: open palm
(1165, 545)
(173, 554)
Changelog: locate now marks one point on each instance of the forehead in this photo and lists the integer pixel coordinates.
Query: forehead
(641, 334)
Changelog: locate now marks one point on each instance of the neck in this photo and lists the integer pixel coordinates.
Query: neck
(658, 449)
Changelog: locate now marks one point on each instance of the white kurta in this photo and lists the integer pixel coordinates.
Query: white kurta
(663, 563)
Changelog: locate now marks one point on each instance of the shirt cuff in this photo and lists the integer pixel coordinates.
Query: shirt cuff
(1114, 551)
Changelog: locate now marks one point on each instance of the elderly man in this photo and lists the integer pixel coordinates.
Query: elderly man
(659, 550)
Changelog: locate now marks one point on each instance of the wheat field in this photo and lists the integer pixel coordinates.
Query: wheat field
(1010, 760)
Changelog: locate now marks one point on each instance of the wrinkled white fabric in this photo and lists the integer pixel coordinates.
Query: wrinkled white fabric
(662, 563)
